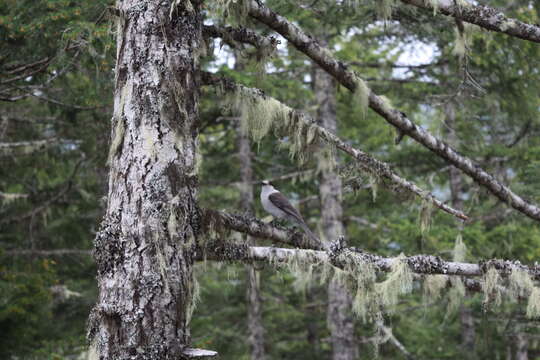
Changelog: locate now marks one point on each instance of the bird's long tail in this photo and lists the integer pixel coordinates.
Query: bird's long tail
(309, 233)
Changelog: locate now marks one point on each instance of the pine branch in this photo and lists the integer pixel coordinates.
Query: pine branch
(483, 16)
(323, 57)
(365, 161)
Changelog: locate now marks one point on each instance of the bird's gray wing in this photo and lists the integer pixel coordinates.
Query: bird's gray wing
(282, 203)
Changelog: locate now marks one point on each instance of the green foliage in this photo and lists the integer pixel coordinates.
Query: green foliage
(498, 128)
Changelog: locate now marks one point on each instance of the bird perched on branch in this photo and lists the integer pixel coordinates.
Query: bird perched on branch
(278, 206)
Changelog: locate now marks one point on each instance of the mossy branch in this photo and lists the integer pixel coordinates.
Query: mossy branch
(357, 270)
(261, 113)
(323, 57)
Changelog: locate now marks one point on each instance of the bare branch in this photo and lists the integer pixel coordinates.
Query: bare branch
(365, 160)
(349, 79)
(483, 16)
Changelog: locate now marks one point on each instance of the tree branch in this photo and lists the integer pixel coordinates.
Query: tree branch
(349, 79)
(418, 264)
(257, 228)
(240, 34)
(46, 253)
(29, 147)
(365, 160)
(483, 16)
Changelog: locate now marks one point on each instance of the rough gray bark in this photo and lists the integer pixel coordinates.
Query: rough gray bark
(144, 249)
(339, 316)
(306, 44)
(483, 16)
(254, 301)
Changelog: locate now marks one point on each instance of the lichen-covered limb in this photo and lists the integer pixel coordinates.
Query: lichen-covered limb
(240, 34)
(418, 264)
(257, 228)
(365, 160)
(483, 16)
(349, 79)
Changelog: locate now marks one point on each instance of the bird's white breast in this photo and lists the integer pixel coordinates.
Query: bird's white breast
(267, 204)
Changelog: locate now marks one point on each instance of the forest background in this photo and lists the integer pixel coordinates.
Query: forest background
(477, 90)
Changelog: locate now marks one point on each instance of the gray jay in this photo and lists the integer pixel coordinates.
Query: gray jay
(276, 204)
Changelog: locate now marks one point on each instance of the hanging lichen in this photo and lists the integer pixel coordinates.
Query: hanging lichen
(260, 114)
(426, 211)
(520, 284)
(364, 302)
(433, 285)
(237, 10)
(460, 250)
(455, 295)
(463, 39)
(399, 281)
(326, 159)
(533, 306)
(302, 265)
(492, 293)
(361, 94)
(374, 180)
(384, 8)
(460, 44)
(435, 5)
(195, 299)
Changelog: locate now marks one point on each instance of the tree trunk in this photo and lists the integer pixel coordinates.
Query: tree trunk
(254, 303)
(339, 317)
(466, 318)
(144, 249)
(521, 343)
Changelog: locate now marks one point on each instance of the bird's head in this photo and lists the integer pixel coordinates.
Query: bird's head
(266, 183)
